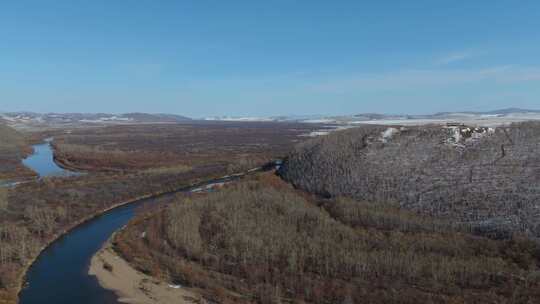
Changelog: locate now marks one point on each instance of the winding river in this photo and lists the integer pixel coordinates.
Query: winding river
(60, 273)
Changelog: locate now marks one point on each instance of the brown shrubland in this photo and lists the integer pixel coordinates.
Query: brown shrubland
(237, 146)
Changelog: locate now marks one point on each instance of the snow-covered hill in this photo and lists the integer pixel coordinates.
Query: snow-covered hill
(33, 120)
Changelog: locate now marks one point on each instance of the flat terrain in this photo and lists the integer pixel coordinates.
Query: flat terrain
(133, 286)
(139, 147)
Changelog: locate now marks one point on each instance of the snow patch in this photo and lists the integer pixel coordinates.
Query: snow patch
(388, 134)
(317, 133)
(461, 135)
(326, 131)
(239, 119)
(321, 121)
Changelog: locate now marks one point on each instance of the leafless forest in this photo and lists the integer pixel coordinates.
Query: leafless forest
(13, 147)
(263, 242)
(372, 214)
(485, 178)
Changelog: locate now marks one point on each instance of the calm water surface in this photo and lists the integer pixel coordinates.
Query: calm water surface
(42, 161)
(60, 274)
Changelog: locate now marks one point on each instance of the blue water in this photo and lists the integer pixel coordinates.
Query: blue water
(60, 274)
(42, 161)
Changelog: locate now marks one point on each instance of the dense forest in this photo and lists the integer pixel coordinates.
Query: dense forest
(261, 241)
(13, 148)
(483, 177)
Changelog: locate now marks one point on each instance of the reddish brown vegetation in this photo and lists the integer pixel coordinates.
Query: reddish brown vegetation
(13, 148)
(262, 242)
(33, 214)
(238, 145)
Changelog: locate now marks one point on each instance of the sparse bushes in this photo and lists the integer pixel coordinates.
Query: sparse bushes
(108, 267)
(233, 145)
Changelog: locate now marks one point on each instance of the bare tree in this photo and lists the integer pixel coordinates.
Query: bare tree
(3, 199)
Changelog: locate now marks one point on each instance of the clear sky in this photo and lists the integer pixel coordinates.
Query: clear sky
(201, 58)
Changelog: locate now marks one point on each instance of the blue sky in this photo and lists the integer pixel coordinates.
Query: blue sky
(201, 58)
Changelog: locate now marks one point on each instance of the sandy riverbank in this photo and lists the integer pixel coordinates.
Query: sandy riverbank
(132, 286)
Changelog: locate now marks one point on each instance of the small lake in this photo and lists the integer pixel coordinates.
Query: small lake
(42, 161)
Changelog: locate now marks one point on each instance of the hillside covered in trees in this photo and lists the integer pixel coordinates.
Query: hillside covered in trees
(486, 178)
(261, 241)
(13, 148)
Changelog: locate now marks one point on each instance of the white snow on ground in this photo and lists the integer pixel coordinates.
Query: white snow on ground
(254, 119)
(209, 187)
(327, 131)
(479, 133)
(455, 138)
(116, 118)
(484, 121)
(404, 122)
(214, 185)
(388, 134)
(106, 119)
(196, 190)
(316, 133)
(8, 184)
(459, 135)
(5, 117)
(319, 121)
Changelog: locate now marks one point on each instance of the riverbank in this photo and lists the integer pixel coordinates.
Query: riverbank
(131, 286)
(22, 276)
(193, 184)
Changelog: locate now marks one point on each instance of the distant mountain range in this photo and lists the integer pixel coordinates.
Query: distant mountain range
(59, 119)
(33, 120)
(495, 112)
(362, 117)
